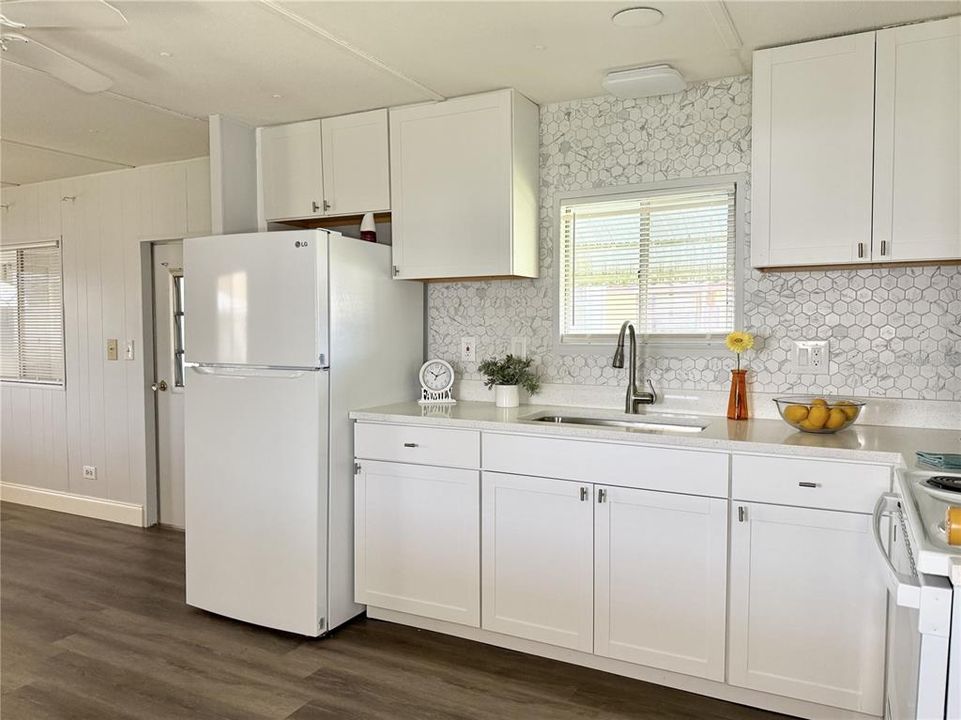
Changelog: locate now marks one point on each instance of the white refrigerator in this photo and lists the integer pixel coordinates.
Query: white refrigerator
(286, 332)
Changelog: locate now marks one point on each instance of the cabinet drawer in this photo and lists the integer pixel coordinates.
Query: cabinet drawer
(647, 468)
(823, 484)
(413, 444)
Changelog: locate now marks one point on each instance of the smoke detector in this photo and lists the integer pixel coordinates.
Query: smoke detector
(644, 82)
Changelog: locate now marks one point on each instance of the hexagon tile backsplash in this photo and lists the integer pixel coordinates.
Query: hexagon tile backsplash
(893, 333)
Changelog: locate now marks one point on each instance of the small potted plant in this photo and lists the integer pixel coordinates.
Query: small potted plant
(506, 374)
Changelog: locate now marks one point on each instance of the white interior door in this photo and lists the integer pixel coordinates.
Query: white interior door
(168, 283)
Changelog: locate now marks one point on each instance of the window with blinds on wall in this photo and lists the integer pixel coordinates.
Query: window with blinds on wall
(31, 313)
(665, 260)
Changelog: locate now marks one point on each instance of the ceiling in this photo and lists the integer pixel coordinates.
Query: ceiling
(272, 61)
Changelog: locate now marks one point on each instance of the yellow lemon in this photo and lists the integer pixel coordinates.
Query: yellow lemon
(795, 413)
(850, 409)
(806, 425)
(818, 416)
(836, 418)
(819, 401)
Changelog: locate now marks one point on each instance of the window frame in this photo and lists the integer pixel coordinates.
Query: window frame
(61, 384)
(603, 344)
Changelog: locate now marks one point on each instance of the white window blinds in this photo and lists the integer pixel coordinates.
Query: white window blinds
(31, 313)
(665, 261)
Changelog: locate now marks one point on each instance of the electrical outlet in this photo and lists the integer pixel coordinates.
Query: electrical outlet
(812, 356)
(89, 472)
(467, 350)
(519, 346)
(111, 348)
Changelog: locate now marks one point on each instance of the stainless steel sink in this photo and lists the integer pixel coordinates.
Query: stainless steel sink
(643, 424)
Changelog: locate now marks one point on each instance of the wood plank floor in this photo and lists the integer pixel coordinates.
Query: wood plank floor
(94, 627)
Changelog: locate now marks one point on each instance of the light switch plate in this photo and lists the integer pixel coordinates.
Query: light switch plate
(812, 357)
(128, 352)
(467, 351)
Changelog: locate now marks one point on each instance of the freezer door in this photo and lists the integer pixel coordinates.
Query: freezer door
(256, 495)
(257, 299)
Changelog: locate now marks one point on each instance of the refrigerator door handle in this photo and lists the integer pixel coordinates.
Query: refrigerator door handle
(248, 371)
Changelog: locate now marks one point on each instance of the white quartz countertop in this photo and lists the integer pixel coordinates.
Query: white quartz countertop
(867, 443)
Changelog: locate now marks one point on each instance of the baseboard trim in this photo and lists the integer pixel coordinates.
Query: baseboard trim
(689, 683)
(112, 510)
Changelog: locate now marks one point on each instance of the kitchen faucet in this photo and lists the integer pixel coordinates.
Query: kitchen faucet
(634, 398)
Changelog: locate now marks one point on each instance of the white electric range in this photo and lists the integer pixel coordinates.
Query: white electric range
(923, 574)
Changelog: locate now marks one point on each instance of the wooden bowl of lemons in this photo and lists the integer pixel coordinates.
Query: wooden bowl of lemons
(816, 414)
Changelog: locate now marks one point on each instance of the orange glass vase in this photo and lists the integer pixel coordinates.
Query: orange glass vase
(737, 401)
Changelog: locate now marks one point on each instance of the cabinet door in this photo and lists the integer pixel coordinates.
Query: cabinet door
(451, 187)
(356, 163)
(417, 540)
(812, 150)
(537, 539)
(660, 572)
(807, 616)
(917, 169)
(163, 201)
(290, 170)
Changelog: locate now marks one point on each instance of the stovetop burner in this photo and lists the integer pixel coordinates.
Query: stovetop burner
(945, 482)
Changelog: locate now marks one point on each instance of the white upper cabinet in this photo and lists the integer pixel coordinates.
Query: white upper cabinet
(660, 592)
(806, 620)
(857, 148)
(175, 199)
(356, 163)
(917, 163)
(291, 175)
(813, 124)
(464, 187)
(537, 559)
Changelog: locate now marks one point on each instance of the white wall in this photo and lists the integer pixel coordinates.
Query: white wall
(102, 415)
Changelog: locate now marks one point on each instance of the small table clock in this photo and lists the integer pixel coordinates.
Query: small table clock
(436, 381)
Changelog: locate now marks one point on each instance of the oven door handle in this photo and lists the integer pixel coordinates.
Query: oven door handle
(905, 588)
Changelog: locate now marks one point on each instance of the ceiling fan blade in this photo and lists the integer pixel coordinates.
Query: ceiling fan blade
(38, 56)
(74, 14)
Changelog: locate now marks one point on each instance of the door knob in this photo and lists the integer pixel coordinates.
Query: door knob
(161, 386)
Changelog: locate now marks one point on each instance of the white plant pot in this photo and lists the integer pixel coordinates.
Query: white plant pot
(506, 396)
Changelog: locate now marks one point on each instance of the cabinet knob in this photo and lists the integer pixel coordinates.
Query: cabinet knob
(584, 494)
(602, 495)
(741, 513)
(315, 206)
(326, 205)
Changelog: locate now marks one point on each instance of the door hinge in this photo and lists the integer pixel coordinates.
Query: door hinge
(356, 468)
(741, 513)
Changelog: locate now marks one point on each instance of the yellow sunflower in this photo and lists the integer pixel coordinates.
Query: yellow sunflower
(739, 341)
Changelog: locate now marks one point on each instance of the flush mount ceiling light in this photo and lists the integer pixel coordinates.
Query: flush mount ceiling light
(644, 81)
(637, 17)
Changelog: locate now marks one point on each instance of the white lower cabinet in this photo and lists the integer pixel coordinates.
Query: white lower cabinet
(660, 574)
(807, 616)
(417, 540)
(537, 540)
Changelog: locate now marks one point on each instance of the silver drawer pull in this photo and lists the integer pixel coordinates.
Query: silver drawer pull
(410, 444)
(807, 484)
